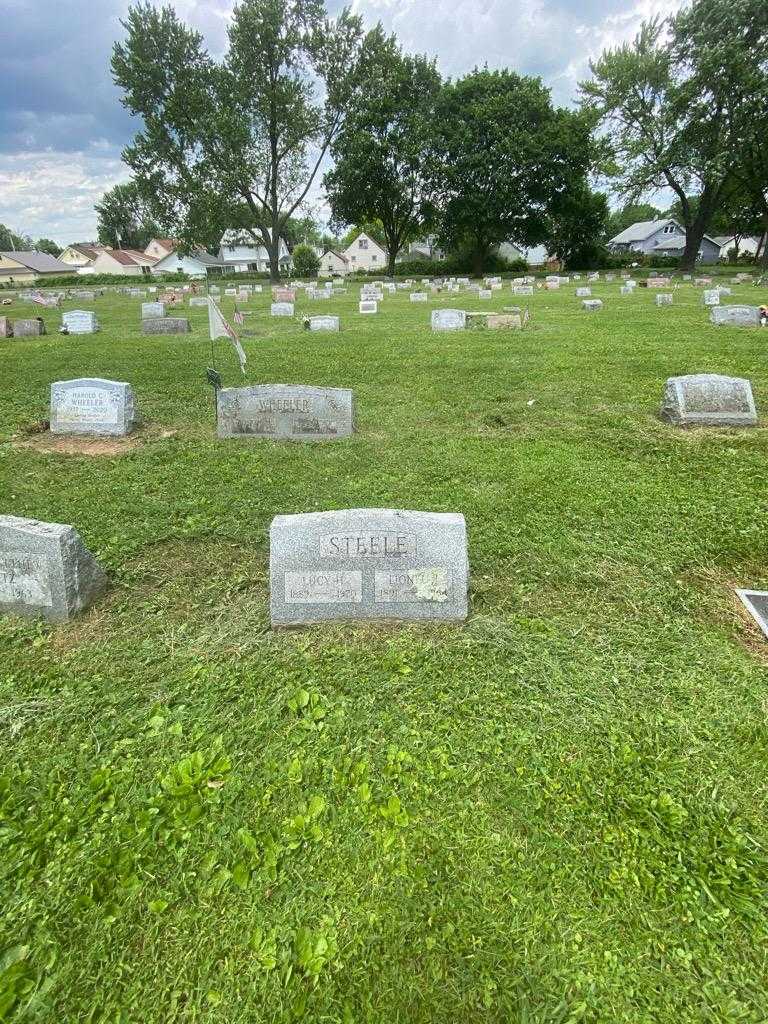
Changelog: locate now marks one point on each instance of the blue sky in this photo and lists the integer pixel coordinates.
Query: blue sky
(62, 126)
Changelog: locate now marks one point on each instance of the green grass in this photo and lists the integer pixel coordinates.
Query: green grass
(555, 813)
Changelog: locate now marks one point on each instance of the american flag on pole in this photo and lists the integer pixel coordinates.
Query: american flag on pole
(219, 328)
(238, 317)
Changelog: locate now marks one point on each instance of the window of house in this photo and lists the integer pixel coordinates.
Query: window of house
(353, 258)
(363, 243)
(374, 258)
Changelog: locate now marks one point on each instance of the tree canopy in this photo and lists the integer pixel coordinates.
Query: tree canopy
(241, 139)
(124, 219)
(383, 153)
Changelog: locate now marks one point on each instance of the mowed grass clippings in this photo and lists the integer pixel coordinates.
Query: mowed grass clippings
(555, 813)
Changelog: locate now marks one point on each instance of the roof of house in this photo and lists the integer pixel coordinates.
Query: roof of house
(722, 240)
(363, 235)
(86, 249)
(40, 262)
(641, 230)
(123, 256)
(333, 252)
(201, 256)
(169, 244)
(677, 242)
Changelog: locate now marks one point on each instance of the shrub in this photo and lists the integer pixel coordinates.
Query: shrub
(306, 262)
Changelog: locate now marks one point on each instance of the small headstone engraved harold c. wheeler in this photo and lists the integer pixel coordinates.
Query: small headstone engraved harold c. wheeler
(46, 570)
(31, 328)
(281, 309)
(736, 316)
(165, 325)
(368, 565)
(368, 306)
(583, 293)
(91, 405)
(756, 603)
(592, 305)
(286, 412)
(448, 319)
(709, 400)
(712, 297)
(79, 321)
(664, 299)
(152, 310)
(323, 323)
(419, 296)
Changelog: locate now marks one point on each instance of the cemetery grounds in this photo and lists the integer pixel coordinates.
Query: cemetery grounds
(554, 813)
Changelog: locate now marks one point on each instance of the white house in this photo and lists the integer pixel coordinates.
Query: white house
(665, 237)
(158, 248)
(242, 255)
(333, 264)
(365, 254)
(196, 264)
(709, 250)
(122, 261)
(746, 245)
(81, 254)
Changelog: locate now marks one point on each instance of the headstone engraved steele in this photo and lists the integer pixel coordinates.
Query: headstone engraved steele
(368, 564)
(46, 570)
(286, 412)
(710, 400)
(91, 405)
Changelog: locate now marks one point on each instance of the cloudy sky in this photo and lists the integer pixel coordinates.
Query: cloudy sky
(62, 126)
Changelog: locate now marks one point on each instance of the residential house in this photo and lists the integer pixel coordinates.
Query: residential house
(25, 267)
(333, 264)
(130, 262)
(422, 249)
(709, 250)
(159, 248)
(242, 255)
(81, 254)
(197, 264)
(644, 236)
(365, 254)
(746, 245)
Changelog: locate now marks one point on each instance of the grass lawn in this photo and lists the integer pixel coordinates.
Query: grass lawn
(555, 813)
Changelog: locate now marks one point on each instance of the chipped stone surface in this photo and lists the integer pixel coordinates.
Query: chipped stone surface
(708, 400)
(46, 570)
(368, 565)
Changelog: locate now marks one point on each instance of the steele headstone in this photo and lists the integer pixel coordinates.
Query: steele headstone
(368, 564)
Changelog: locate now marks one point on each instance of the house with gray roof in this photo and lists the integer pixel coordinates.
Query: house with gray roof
(25, 267)
(663, 237)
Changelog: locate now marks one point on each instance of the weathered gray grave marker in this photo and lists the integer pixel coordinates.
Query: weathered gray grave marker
(286, 412)
(368, 564)
(46, 570)
(708, 399)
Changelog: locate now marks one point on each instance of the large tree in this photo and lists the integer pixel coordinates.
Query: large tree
(578, 226)
(243, 138)
(665, 129)
(124, 219)
(383, 152)
(10, 240)
(723, 47)
(503, 156)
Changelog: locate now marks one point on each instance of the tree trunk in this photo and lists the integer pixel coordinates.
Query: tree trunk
(478, 260)
(693, 236)
(274, 260)
(764, 257)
